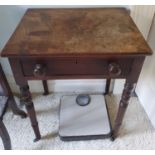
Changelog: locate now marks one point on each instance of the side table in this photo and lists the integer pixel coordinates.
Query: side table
(86, 43)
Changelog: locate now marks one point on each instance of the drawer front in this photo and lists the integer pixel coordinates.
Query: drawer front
(50, 66)
(76, 66)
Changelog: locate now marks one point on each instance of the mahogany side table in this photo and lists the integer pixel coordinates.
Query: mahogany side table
(92, 43)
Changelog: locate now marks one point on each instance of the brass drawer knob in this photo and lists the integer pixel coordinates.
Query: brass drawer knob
(114, 69)
(39, 70)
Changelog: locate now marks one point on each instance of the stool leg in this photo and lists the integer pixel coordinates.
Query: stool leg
(45, 86)
(5, 136)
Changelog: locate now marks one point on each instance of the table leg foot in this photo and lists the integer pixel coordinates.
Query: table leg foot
(112, 137)
(36, 139)
(26, 97)
(36, 131)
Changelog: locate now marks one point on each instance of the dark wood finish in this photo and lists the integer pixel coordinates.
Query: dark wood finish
(76, 43)
(6, 91)
(128, 88)
(107, 87)
(65, 32)
(74, 66)
(3, 130)
(25, 94)
(3, 105)
(5, 136)
(45, 86)
(26, 98)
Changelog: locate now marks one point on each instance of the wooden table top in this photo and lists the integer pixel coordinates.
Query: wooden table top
(93, 31)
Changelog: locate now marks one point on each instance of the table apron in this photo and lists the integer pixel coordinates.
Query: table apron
(75, 68)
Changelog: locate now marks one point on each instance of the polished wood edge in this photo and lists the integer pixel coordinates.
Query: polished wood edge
(78, 55)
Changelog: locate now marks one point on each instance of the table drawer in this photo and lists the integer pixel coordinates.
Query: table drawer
(76, 66)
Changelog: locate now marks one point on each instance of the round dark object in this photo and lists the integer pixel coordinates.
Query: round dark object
(83, 99)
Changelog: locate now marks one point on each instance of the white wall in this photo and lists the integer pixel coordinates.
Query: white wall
(146, 84)
(142, 16)
(9, 18)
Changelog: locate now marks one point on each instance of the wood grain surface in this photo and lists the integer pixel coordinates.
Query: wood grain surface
(54, 32)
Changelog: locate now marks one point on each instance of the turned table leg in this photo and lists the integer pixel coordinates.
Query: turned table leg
(26, 98)
(45, 86)
(5, 136)
(128, 88)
